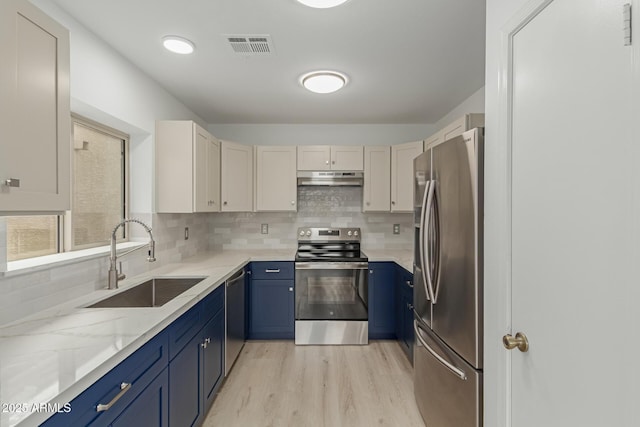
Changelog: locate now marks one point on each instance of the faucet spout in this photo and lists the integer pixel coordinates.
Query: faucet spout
(114, 274)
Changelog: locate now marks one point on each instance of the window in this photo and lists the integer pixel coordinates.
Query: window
(98, 199)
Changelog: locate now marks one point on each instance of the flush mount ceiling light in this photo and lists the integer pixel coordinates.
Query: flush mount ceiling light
(178, 44)
(323, 81)
(322, 4)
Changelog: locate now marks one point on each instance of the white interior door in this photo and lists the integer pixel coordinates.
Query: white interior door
(574, 220)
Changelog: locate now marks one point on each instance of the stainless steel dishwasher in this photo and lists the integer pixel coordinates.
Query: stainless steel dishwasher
(234, 322)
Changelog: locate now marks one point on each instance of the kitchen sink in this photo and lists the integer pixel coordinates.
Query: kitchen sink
(155, 292)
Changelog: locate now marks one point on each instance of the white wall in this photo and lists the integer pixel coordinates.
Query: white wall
(473, 104)
(105, 87)
(498, 13)
(109, 89)
(324, 134)
(351, 134)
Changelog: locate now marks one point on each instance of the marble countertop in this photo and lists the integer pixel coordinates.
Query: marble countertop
(403, 257)
(53, 356)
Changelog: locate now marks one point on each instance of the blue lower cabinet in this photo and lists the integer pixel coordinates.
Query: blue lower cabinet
(382, 278)
(213, 359)
(122, 386)
(404, 312)
(272, 309)
(197, 371)
(150, 408)
(271, 300)
(185, 386)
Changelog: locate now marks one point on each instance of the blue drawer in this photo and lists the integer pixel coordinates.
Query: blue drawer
(139, 370)
(276, 270)
(212, 304)
(184, 328)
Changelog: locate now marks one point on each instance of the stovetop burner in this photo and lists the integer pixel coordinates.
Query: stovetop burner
(329, 244)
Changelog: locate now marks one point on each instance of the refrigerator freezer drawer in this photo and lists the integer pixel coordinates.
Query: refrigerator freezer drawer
(443, 397)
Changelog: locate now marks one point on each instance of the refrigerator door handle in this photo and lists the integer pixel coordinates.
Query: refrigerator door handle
(423, 230)
(437, 259)
(459, 373)
(430, 193)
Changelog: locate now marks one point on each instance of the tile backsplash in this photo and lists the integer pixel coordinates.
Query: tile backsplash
(25, 293)
(317, 207)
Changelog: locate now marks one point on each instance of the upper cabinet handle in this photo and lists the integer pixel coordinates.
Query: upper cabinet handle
(275, 270)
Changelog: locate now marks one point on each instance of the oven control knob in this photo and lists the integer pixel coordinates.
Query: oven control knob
(302, 232)
(308, 233)
(355, 233)
(349, 233)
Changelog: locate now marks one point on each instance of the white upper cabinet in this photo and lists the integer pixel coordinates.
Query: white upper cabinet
(347, 157)
(456, 128)
(237, 177)
(187, 168)
(314, 157)
(376, 192)
(35, 119)
(330, 157)
(276, 188)
(207, 172)
(402, 156)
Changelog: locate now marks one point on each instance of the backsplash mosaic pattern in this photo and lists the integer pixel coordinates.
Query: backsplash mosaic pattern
(317, 207)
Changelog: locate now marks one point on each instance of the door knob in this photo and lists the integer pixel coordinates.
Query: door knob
(520, 341)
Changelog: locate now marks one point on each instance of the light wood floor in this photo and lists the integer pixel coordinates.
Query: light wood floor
(276, 383)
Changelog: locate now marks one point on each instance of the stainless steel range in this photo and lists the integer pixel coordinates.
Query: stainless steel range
(331, 287)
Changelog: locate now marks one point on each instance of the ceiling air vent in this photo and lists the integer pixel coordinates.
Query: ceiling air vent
(251, 44)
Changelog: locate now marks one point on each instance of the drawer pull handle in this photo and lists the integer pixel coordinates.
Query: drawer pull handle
(124, 387)
(269, 270)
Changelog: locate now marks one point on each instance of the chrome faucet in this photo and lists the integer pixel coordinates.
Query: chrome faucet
(114, 274)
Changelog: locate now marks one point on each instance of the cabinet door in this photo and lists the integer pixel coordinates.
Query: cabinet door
(314, 157)
(212, 358)
(381, 300)
(35, 120)
(276, 178)
(433, 140)
(402, 156)
(206, 174)
(213, 175)
(237, 177)
(150, 408)
(175, 162)
(377, 179)
(347, 157)
(272, 309)
(455, 129)
(185, 386)
(404, 317)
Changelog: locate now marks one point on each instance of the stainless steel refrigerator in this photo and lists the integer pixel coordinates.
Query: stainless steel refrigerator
(448, 206)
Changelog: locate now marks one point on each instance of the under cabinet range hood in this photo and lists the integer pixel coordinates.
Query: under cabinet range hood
(330, 179)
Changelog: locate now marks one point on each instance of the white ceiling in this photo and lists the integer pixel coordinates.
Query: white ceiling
(408, 61)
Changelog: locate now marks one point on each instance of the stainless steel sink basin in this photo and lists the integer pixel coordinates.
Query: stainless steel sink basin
(155, 292)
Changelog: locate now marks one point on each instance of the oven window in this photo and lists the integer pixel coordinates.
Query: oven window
(327, 294)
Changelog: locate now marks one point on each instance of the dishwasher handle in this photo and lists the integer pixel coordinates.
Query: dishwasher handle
(232, 280)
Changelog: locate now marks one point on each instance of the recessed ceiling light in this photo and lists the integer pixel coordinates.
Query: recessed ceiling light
(322, 4)
(323, 81)
(178, 44)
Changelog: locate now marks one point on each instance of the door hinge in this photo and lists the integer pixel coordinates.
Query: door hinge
(626, 22)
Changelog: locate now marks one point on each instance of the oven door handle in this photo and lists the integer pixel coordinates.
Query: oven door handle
(332, 265)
